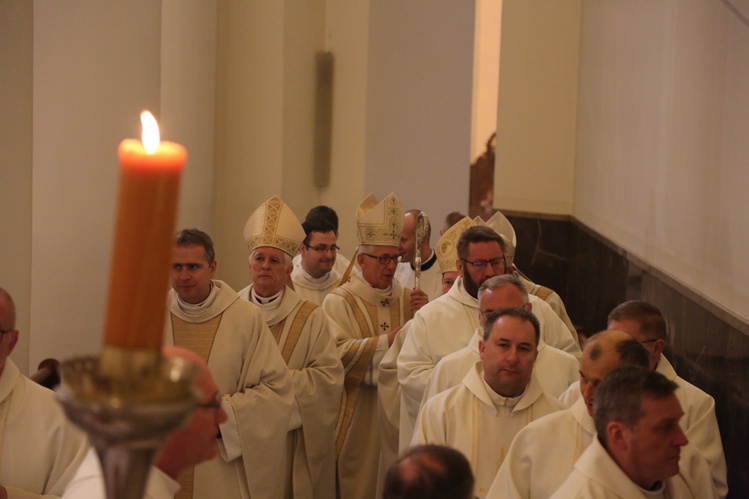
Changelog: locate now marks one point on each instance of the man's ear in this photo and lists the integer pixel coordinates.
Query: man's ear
(459, 265)
(615, 435)
(13, 341)
(482, 347)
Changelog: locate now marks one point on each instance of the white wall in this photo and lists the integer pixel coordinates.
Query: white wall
(16, 49)
(420, 85)
(537, 104)
(663, 155)
(95, 67)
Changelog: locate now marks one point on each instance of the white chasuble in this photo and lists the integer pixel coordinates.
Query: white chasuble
(359, 319)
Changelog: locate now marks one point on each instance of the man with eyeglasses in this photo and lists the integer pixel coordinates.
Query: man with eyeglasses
(40, 450)
(230, 335)
(315, 274)
(187, 446)
(365, 314)
(273, 234)
(447, 324)
(327, 214)
(644, 322)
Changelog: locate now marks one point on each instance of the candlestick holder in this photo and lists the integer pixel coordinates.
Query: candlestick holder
(127, 419)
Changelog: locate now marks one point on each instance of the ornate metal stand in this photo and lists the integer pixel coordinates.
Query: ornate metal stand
(127, 420)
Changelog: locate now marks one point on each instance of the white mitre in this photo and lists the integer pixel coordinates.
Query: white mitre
(274, 225)
(447, 246)
(379, 223)
(499, 224)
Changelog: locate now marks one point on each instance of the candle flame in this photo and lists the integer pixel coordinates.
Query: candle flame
(150, 137)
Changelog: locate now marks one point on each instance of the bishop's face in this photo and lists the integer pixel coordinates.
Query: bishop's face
(378, 275)
(269, 270)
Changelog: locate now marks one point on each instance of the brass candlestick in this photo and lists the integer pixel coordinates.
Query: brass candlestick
(127, 419)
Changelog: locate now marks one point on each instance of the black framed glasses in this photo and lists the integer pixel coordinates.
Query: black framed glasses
(498, 264)
(3, 331)
(323, 249)
(384, 259)
(649, 341)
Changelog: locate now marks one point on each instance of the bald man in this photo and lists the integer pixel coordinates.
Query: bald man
(544, 453)
(39, 449)
(191, 444)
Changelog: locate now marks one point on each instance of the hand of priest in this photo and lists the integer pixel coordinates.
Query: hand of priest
(418, 300)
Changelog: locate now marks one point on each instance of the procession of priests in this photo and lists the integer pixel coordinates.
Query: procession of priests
(326, 373)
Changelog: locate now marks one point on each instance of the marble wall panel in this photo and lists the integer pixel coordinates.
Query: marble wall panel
(709, 347)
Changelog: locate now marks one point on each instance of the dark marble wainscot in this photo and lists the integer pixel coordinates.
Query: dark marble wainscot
(709, 346)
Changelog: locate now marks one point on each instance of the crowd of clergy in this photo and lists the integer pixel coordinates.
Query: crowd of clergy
(324, 371)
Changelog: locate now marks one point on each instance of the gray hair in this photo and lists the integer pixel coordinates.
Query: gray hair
(501, 280)
(288, 262)
(620, 394)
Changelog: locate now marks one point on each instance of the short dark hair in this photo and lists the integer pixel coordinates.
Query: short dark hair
(429, 472)
(648, 316)
(480, 234)
(619, 396)
(452, 218)
(195, 237)
(326, 213)
(316, 225)
(519, 313)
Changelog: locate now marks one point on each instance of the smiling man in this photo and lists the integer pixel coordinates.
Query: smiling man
(640, 448)
(315, 275)
(230, 335)
(498, 397)
(365, 315)
(273, 234)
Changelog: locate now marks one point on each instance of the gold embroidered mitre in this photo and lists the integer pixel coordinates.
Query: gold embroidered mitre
(499, 224)
(274, 225)
(447, 246)
(379, 224)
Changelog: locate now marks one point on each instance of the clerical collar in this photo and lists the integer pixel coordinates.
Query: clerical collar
(262, 299)
(657, 492)
(313, 280)
(428, 264)
(198, 307)
(499, 401)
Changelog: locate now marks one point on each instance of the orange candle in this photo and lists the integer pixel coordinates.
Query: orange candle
(146, 210)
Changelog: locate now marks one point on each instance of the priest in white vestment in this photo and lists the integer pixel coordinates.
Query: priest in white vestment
(646, 324)
(544, 453)
(191, 444)
(556, 370)
(502, 226)
(314, 276)
(498, 397)
(365, 315)
(430, 276)
(273, 235)
(638, 450)
(40, 450)
(257, 394)
(447, 324)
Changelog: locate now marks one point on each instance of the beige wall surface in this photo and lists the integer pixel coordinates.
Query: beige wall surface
(537, 105)
(16, 50)
(663, 155)
(420, 85)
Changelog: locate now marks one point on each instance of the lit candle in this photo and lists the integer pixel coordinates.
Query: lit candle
(146, 209)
